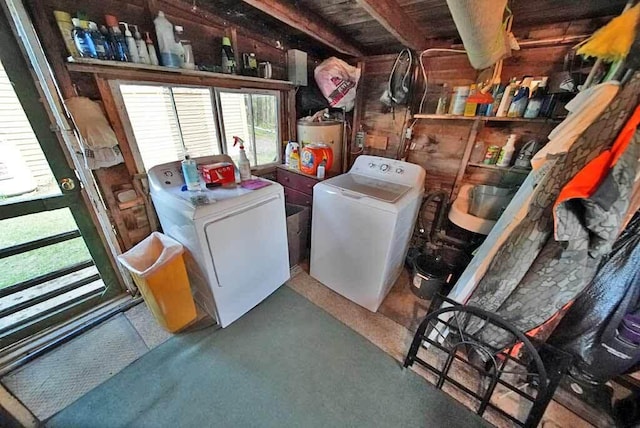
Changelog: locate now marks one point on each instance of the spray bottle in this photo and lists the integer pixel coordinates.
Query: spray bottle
(142, 46)
(131, 44)
(153, 55)
(243, 164)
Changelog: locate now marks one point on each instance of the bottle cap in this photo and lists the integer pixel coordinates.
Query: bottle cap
(111, 20)
(93, 25)
(76, 22)
(226, 41)
(178, 28)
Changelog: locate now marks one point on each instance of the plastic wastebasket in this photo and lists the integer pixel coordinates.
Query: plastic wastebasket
(157, 267)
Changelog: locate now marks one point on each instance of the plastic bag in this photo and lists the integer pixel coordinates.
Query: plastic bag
(92, 124)
(338, 81)
(151, 254)
(589, 329)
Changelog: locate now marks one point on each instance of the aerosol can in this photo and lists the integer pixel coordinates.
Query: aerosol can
(244, 167)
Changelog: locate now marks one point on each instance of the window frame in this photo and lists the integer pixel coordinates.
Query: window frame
(214, 91)
(223, 136)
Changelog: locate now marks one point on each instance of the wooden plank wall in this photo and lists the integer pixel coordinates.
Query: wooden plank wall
(203, 28)
(439, 144)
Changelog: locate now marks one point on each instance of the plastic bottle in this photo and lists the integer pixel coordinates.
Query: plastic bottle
(441, 108)
(65, 25)
(228, 58)
(134, 56)
(153, 55)
(190, 173)
(243, 163)
(118, 43)
(187, 50)
(291, 145)
(83, 41)
(169, 51)
(507, 97)
(142, 46)
(520, 99)
(321, 170)
(536, 100)
(504, 159)
(103, 49)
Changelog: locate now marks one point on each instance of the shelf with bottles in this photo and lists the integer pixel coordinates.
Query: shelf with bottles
(143, 71)
(120, 46)
(484, 118)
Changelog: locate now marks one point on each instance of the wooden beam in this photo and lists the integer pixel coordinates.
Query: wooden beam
(308, 23)
(391, 16)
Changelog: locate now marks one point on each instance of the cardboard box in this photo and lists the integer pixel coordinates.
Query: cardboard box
(298, 228)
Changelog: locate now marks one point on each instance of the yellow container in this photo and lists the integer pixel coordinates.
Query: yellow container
(157, 267)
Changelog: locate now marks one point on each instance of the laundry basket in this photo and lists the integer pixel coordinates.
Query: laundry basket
(157, 267)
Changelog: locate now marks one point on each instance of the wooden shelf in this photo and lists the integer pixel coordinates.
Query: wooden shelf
(145, 72)
(483, 118)
(500, 168)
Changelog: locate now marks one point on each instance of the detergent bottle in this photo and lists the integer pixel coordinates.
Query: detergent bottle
(243, 163)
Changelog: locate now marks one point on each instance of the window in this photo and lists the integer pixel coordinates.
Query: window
(167, 119)
(254, 118)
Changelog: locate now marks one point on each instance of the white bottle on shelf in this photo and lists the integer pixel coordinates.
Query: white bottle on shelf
(131, 44)
(504, 159)
(143, 53)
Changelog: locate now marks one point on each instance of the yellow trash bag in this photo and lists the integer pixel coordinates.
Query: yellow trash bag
(157, 267)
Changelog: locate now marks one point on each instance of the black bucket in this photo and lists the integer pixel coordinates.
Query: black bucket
(430, 276)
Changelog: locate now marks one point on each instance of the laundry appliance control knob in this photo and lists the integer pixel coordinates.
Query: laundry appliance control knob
(384, 167)
(399, 171)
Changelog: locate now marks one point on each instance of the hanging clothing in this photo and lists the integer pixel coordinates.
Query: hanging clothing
(532, 276)
(589, 329)
(584, 109)
(588, 206)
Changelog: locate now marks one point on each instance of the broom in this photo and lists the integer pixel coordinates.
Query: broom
(612, 42)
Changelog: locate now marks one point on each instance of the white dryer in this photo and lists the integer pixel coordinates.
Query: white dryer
(237, 242)
(361, 227)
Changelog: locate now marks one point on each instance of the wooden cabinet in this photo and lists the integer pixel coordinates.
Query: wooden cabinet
(298, 187)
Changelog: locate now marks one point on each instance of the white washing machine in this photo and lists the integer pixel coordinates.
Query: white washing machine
(238, 253)
(361, 227)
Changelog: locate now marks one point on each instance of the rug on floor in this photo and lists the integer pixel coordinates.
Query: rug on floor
(286, 363)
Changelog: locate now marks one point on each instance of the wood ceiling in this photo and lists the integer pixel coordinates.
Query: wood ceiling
(370, 27)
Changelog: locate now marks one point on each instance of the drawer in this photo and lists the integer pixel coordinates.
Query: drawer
(297, 198)
(296, 181)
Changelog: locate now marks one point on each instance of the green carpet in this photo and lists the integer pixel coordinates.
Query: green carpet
(287, 363)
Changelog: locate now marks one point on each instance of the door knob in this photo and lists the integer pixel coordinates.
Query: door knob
(67, 184)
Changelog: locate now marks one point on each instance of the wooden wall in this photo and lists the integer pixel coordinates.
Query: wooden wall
(439, 144)
(203, 27)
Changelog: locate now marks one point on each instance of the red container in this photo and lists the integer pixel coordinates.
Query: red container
(218, 173)
(312, 155)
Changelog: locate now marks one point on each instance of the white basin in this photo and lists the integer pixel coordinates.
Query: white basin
(459, 214)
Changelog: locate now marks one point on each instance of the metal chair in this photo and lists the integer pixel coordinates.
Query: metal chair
(480, 373)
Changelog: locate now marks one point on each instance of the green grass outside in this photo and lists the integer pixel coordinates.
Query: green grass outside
(37, 262)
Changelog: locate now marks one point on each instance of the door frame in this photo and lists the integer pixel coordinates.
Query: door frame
(33, 97)
(50, 98)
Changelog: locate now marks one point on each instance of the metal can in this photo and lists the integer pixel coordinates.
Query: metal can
(491, 156)
(459, 100)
